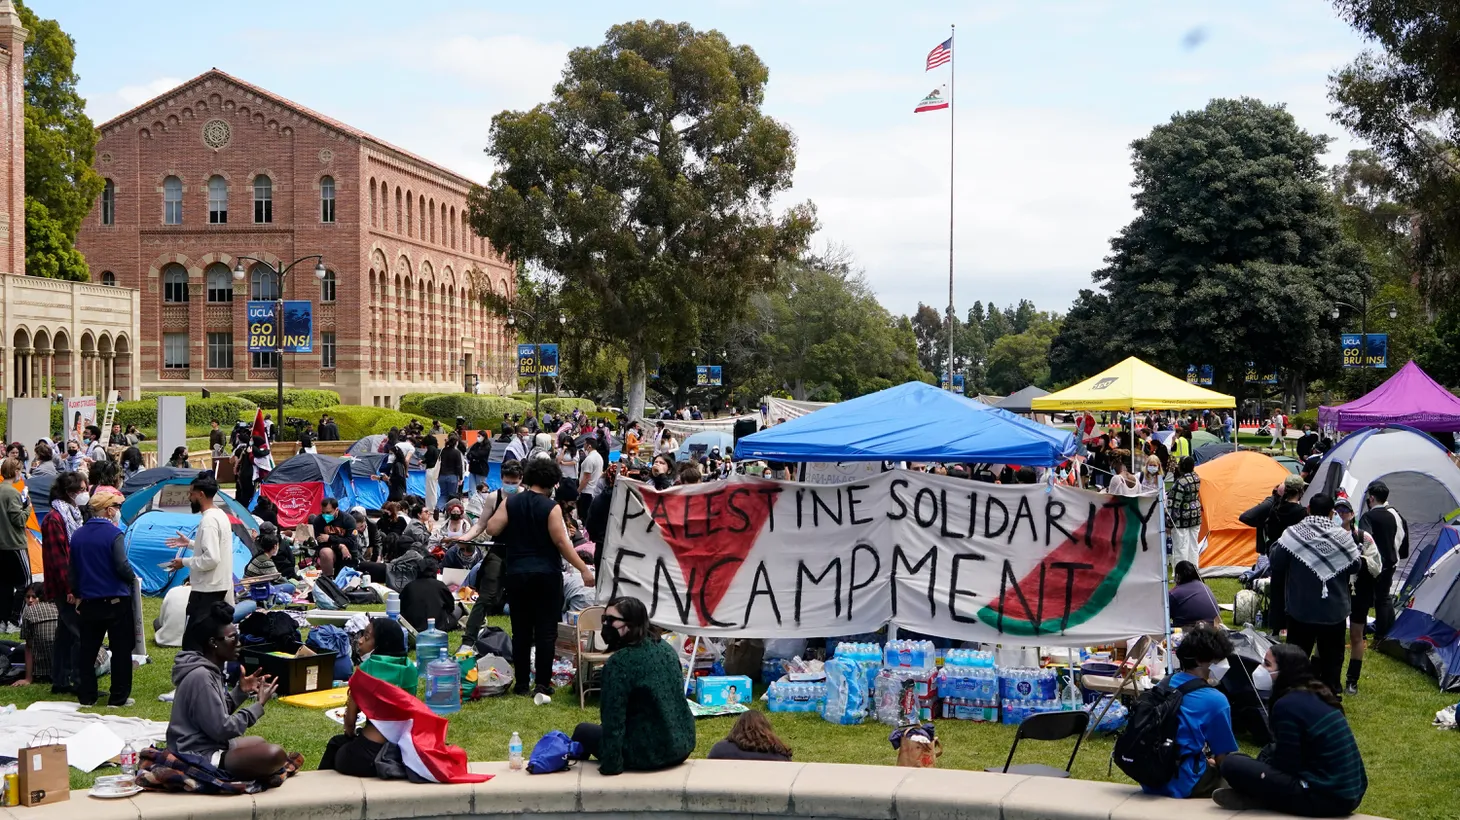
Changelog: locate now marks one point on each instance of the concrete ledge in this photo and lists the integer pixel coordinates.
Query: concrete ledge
(698, 790)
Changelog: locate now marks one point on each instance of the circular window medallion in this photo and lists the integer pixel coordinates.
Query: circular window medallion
(106, 157)
(326, 155)
(217, 134)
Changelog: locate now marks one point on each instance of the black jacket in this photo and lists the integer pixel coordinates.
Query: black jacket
(479, 457)
(1391, 534)
(1297, 595)
(1272, 517)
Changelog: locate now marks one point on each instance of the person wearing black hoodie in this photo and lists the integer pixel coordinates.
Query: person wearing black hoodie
(207, 726)
(1276, 513)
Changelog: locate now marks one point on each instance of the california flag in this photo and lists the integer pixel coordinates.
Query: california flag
(420, 733)
(935, 101)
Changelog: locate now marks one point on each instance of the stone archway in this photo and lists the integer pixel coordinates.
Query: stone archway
(43, 382)
(21, 358)
(86, 369)
(63, 364)
(122, 366)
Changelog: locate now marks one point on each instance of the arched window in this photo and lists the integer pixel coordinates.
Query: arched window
(217, 201)
(410, 215)
(373, 222)
(327, 287)
(263, 285)
(172, 201)
(423, 213)
(327, 199)
(108, 278)
(431, 221)
(263, 199)
(109, 203)
(397, 211)
(453, 226)
(220, 283)
(174, 283)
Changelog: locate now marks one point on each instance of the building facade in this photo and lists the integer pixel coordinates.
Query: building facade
(58, 337)
(218, 172)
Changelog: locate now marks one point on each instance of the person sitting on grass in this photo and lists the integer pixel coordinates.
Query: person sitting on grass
(428, 598)
(647, 723)
(1313, 767)
(1206, 717)
(39, 626)
(1192, 600)
(385, 656)
(207, 726)
(751, 738)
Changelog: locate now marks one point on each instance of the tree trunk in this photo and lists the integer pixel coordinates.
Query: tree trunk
(1300, 388)
(638, 378)
(798, 390)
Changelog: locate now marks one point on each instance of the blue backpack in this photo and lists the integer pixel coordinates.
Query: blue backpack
(553, 753)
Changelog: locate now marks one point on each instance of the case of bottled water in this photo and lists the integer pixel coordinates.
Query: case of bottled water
(796, 696)
(847, 693)
(1022, 684)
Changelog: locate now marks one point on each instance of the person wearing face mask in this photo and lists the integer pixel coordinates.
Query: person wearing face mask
(520, 447)
(661, 472)
(102, 582)
(210, 567)
(1204, 733)
(68, 495)
(1151, 477)
(335, 535)
(489, 573)
(1313, 767)
(647, 724)
(455, 524)
(72, 461)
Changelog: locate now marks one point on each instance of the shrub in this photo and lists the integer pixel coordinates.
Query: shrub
(481, 412)
(152, 395)
(411, 402)
(563, 405)
(294, 398)
(226, 409)
(1297, 420)
(355, 421)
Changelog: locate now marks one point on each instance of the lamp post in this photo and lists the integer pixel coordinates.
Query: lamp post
(533, 329)
(1363, 310)
(279, 274)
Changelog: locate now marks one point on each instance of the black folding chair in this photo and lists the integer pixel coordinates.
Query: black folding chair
(1047, 726)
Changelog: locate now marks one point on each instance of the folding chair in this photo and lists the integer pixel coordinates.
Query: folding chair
(590, 621)
(1047, 726)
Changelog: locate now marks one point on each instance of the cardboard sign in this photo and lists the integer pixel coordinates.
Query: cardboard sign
(44, 775)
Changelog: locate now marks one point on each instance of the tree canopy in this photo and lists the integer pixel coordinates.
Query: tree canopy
(646, 184)
(60, 142)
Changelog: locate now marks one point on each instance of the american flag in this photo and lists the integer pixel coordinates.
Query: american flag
(943, 53)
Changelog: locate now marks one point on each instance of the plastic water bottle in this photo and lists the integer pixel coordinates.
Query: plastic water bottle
(514, 752)
(129, 760)
(426, 645)
(443, 684)
(392, 606)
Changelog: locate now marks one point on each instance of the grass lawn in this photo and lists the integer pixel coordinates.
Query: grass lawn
(1413, 769)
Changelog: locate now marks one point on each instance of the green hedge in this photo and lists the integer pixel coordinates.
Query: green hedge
(560, 406)
(355, 421)
(481, 412)
(226, 409)
(294, 398)
(152, 395)
(412, 402)
(1297, 420)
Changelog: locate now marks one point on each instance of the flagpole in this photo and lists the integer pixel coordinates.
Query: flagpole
(952, 75)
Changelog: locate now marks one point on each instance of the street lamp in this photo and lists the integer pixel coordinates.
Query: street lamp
(512, 314)
(1363, 310)
(279, 274)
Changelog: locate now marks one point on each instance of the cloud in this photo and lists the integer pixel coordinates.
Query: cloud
(103, 107)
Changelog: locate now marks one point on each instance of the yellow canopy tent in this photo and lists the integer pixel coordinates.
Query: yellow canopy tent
(1134, 385)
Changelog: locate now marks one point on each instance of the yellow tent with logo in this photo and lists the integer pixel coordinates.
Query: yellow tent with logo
(1134, 385)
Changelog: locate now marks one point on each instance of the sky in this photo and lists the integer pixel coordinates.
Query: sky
(1048, 95)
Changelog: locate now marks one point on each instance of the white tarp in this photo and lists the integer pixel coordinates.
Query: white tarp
(750, 557)
(52, 722)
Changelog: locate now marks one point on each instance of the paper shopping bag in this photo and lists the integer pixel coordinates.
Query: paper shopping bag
(45, 776)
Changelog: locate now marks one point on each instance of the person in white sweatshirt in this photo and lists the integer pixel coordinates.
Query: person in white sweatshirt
(210, 567)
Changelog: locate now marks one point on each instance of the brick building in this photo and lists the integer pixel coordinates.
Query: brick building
(218, 169)
(55, 336)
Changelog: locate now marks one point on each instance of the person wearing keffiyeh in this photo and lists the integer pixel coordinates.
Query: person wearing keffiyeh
(1311, 566)
(68, 494)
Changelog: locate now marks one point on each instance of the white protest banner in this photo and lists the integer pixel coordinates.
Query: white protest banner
(750, 557)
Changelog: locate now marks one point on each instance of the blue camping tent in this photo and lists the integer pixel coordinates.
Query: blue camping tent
(147, 549)
(1427, 631)
(146, 479)
(141, 497)
(910, 422)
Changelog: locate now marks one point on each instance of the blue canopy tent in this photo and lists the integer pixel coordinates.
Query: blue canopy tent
(911, 422)
(141, 499)
(147, 549)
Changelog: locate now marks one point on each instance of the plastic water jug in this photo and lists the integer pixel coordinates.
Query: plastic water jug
(426, 645)
(443, 684)
(392, 605)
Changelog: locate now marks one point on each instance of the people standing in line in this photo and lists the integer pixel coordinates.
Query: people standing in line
(1313, 766)
(210, 567)
(1273, 515)
(103, 580)
(1185, 513)
(479, 461)
(431, 460)
(68, 496)
(1391, 535)
(1311, 566)
(14, 566)
(451, 471)
(1363, 592)
(647, 724)
(532, 527)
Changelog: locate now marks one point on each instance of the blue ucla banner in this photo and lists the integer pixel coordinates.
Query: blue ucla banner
(709, 375)
(537, 360)
(1200, 374)
(298, 327)
(1355, 355)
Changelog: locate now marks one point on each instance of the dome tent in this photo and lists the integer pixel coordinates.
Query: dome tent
(1230, 485)
(1426, 632)
(147, 549)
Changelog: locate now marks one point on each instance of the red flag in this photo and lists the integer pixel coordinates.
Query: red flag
(419, 732)
(258, 425)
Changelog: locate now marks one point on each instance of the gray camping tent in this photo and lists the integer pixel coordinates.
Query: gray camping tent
(1019, 402)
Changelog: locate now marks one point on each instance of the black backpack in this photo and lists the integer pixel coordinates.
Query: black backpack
(1146, 751)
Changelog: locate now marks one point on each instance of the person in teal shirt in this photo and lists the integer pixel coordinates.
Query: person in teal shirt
(1204, 734)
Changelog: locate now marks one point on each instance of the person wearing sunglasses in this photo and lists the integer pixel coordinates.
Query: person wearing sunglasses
(647, 724)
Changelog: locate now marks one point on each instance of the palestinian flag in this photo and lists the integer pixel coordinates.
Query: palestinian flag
(419, 732)
(935, 101)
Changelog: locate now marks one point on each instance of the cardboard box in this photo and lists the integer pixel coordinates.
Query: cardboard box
(45, 776)
(723, 690)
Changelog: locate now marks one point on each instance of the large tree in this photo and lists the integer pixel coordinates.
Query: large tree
(1019, 360)
(1235, 254)
(646, 184)
(60, 141)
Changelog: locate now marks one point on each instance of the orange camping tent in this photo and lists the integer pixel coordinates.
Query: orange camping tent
(1231, 485)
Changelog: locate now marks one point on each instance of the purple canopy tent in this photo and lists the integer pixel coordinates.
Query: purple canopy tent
(1409, 397)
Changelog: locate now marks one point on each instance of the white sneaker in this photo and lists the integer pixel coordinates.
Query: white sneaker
(130, 702)
(542, 699)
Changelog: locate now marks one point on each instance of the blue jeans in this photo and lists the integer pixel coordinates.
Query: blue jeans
(473, 481)
(450, 485)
